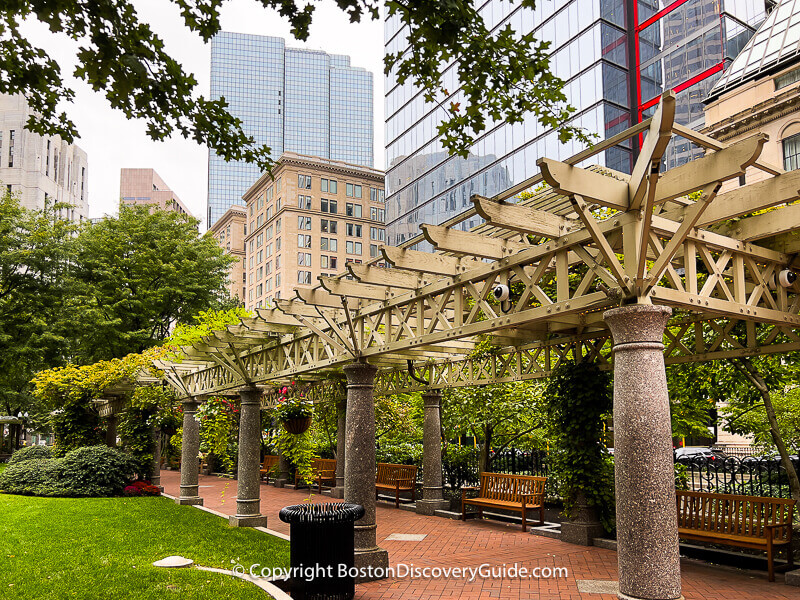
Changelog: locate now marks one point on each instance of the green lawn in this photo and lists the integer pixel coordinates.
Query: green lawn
(102, 549)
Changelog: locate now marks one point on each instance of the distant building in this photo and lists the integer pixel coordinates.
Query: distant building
(760, 93)
(315, 216)
(144, 186)
(230, 231)
(292, 100)
(616, 58)
(41, 169)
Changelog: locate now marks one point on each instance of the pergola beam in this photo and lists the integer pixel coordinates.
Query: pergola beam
(522, 218)
(470, 244)
(425, 262)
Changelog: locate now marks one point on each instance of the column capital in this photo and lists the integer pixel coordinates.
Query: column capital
(637, 324)
(432, 398)
(250, 395)
(360, 373)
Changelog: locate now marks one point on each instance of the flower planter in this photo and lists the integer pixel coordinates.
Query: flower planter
(297, 425)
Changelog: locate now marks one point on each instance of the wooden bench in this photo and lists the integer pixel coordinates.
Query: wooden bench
(396, 478)
(324, 472)
(743, 521)
(270, 462)
(519, 493)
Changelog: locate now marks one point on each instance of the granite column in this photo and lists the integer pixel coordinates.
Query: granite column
(432, 498)
(248, 489)
(341, 451)
(647, 523)
(359, 468)
(190, 448)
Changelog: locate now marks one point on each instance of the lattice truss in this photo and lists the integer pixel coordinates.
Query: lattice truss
(582, 241)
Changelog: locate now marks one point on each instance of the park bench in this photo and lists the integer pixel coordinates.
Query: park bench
(519, 493)
(270, 462)
(743, 521)
(324, 472)
(396, 478)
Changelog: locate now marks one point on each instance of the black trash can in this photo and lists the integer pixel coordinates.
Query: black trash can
(321, 550)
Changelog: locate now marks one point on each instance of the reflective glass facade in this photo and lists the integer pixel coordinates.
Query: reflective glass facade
(684, 46)
(599, 48)
(292, 100)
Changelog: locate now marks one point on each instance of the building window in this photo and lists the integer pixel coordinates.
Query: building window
(278, 184)
(259, 274)
(303, 259)
(278, 245)
(377, 214)
(260, 240)
(353, 210)
(278, 262)
(304, 202)
(304, 222)
(323, 185)
(259, 289)
(373, 250)
(260, 202)
(47, 161)
(328, 185)
(277, 205)
(260, 220)
(327, 226)
(329, 206)
(11, 136)
(377, 195)
(304, 182)
(268, 232)
(353, 247)
(353, 230)
(303, 241)
(330, 244)
(377, 233)
(304, 277)
(268, 268)
(787, 79)
(791, 153)
(260, 256)
(327, 262)
(277, 283)
(269, 212)
(278, 226)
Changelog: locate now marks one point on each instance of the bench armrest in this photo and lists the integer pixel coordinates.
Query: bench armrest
(468, 488)
(773, 529)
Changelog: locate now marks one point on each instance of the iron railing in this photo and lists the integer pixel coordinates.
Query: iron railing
(745, 476)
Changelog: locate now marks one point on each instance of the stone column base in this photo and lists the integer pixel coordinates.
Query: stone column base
(580, 533)
(337, 492)
(247, 521)
(622, 596)
(429, 507)
(279, 483)
(370, 561)
(189, 501)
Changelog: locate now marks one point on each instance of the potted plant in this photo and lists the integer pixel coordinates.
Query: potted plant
(294, 411)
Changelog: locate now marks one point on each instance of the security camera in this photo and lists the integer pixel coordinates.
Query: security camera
(787, 278)
(501, 293)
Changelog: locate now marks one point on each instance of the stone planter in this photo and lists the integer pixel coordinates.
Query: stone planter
(584, 525)
(297, 425)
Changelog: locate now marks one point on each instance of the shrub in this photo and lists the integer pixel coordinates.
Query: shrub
(34, 477)
(30, 453)
(405, 453)
(98, 471)
(93, 471)
(132, 490)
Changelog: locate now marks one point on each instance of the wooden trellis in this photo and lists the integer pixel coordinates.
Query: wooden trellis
(588, 240)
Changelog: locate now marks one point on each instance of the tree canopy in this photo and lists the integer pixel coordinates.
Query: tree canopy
(139, 275)
(502, 75)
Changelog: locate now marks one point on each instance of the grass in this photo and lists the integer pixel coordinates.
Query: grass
(102, 548)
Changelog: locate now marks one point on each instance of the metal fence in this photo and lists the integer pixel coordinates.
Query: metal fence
(465, 469)
(745, 476)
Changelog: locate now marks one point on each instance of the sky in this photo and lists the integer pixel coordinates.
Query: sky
(112, 142)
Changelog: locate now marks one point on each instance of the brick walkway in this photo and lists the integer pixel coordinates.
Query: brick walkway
(473, 543)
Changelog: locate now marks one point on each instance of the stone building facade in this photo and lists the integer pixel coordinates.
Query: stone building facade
(230, 231)
(41, 169)
(310, 218)
(145, 186)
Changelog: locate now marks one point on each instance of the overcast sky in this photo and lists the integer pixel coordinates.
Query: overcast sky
(112, 142)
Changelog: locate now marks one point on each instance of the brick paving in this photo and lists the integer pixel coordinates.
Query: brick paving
(451, 543)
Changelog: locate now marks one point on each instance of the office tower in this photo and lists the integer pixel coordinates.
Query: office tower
(145, 186)
(41, 169)
(229, 231)
(313, 218)
(599, 48)
(292, 100)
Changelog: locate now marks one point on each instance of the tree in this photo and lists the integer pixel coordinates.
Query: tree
(137, 276)
(694, 390)
(497, 415)
(36, 248)
(502, 76)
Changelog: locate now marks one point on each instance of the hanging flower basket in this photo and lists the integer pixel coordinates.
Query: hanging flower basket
(297, 425)
(294, 411)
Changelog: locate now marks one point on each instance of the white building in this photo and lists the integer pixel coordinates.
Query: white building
(40, 169)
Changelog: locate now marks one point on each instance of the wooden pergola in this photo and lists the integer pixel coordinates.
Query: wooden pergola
(592, 262)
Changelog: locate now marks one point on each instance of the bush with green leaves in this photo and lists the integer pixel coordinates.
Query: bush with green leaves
(404, 453)
(36, 477)
(92, 471)
(30, 453)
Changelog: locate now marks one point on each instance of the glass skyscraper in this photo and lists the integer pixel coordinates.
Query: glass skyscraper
(292, 100)
(616, 57)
